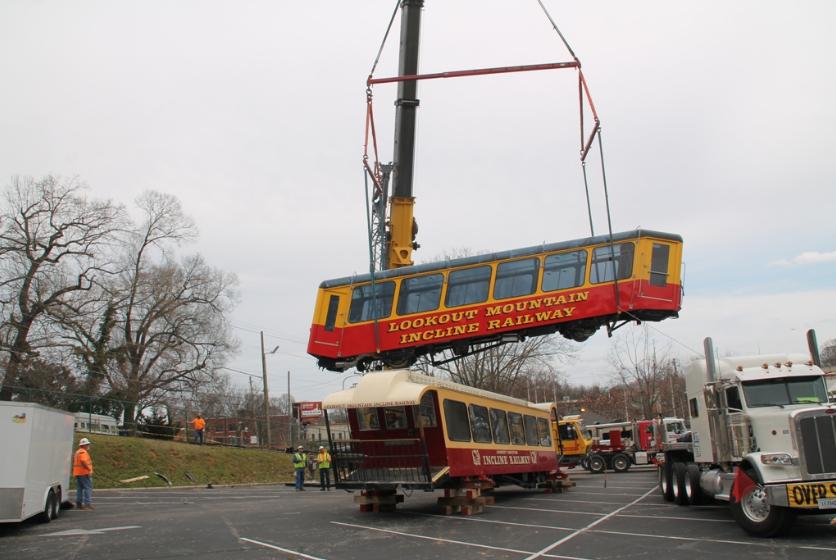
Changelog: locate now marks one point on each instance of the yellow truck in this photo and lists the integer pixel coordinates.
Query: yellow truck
(574, 442)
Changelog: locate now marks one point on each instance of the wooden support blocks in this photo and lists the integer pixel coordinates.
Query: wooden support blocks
(376, 501)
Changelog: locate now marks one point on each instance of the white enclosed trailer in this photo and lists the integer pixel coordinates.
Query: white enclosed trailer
(36, 461)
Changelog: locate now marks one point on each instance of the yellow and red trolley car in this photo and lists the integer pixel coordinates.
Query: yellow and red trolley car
(413, 431)
(574, 288)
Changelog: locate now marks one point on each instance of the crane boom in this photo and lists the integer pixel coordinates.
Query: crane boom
(402, 226)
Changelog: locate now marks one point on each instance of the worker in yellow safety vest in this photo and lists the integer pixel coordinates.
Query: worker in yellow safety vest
(323, 463)
(300, 459)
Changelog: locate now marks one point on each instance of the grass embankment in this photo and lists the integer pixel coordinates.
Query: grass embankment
(118, 458)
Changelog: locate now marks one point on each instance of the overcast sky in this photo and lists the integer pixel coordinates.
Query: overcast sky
(718, 119)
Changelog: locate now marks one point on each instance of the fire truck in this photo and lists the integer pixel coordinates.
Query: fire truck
(619, 445)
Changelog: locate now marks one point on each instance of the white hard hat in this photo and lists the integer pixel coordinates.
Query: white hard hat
(301, 447)
(322, 447)
(84, 441)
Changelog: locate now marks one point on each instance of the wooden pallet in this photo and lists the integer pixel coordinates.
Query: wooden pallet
(376, 501)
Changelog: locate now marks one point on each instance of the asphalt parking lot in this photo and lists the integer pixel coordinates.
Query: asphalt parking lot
(627, 519)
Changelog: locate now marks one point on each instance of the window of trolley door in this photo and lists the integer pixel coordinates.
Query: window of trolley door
(480, 424)
(544, 433)
(516, 278)
(467, 286)
(455, 415)
(515, 424)
(609, 263)
(419, 294)
(564, 270)
(499, 426)
(426, 411)
(371, 301)
(368, 419)
(659, 259)
(785, 391)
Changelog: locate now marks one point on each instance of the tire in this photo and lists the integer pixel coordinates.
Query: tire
(666, 481)
(692, 484)
(759, 518)
(621, 463)
(585, 463)
(597, 464)
(50, 508)
(679, 494)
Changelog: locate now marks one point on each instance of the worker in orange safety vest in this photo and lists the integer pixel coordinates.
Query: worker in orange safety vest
(199, 424)
(83, 473)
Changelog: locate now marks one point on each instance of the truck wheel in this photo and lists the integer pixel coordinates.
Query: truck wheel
(757, 516)
(666, 481)
(620, 463)
(692, 484)
(597, 464)
(48, 514)
(679, 493)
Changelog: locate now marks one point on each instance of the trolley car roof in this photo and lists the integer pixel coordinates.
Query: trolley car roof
(490, 257)
(402, 388)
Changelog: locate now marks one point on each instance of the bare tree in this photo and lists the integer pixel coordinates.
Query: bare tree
(53, 245)
(162, 326)
(641, 369)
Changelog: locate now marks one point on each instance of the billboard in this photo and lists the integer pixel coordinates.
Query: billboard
(310, 410)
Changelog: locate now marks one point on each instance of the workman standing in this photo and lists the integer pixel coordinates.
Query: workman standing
(199, 424)
(300, 459)
(323, 463)
(83, 473)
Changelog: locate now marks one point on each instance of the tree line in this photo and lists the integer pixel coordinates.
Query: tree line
(96, 303)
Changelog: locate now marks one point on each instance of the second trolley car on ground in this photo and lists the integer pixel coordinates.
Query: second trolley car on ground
(414, 431)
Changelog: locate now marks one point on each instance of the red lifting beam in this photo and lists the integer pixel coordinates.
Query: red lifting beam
(478, 72)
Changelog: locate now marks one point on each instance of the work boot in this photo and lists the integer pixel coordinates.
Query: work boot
(90, 506)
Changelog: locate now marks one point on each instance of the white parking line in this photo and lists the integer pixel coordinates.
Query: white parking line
(561, 500)
(548, 510)
(451, 541)
(768, 544)
(480, 520)
(587, 528)
(280, 549)
(674, 517)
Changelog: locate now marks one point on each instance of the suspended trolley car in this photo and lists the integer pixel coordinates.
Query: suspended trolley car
(574, 288)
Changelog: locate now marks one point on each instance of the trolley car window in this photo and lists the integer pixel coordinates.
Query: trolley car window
(467, 286)
(331, 317)
(564, 270)
(516, 278)
(422, 293)
(531, 437)
(515, 423)
(395, 417)
(455, 413)
(367, 419)
(544, 432)
(426, 413)
(609, 263)
(480, 426)
(499, 424)
(659, 264)
(368, 304)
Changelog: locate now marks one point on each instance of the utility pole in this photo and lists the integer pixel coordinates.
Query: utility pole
(289, 413)
(266, 392)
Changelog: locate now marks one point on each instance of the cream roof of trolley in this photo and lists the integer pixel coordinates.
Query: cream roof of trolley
(402, 388)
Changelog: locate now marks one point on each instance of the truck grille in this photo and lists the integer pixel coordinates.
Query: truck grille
(818, 442)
